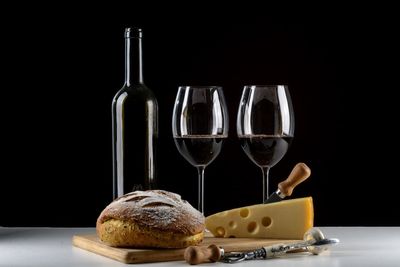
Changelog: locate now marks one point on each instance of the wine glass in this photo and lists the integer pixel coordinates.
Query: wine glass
(199, 126)
(265, 126)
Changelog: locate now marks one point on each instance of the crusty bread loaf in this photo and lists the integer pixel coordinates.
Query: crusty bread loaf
(153, 218)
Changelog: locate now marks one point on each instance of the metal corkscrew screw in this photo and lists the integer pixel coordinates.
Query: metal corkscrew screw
(314, 242)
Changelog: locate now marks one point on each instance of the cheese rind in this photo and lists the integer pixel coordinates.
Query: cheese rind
(288, 219)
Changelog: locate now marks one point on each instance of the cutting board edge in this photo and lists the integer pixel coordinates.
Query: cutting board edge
(85, 241)
(81, 241)
(90, 242)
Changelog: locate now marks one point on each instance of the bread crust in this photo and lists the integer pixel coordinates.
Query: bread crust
(153, 218)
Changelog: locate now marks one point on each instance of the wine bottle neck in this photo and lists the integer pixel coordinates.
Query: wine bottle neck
(133, 56)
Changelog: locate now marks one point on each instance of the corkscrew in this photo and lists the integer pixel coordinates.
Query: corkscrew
(314, 242)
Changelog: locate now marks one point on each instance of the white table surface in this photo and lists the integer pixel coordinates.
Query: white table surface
(359, 246)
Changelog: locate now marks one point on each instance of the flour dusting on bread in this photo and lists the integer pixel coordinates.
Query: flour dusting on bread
(153, 210)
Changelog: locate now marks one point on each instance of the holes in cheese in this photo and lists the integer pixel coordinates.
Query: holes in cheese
(220, 231)
(244, 212)
(252, 227)
(288, 219)
(266, 221)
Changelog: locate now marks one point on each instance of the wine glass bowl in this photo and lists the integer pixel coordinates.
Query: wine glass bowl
(199, 126)
(265, 126)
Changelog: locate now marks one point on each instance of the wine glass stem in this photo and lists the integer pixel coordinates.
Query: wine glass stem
(200, 199)
(265, 171)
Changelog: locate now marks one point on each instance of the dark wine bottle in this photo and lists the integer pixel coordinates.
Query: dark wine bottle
(134, 124)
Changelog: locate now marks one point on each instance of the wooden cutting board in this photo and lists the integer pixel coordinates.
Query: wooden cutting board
(91, 243)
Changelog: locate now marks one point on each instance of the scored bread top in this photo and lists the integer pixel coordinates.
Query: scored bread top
(158, 209)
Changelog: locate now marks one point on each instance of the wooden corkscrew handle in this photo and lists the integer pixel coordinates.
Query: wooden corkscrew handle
(299, 173)
(195, 254)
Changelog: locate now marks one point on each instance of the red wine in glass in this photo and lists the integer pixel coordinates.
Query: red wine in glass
(265, 150)
(199, 150)
(199, 126)
(265, 126)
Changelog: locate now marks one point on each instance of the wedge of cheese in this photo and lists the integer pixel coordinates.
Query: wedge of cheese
(288, 219)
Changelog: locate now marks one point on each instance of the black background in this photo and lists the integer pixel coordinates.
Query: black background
(63, 67)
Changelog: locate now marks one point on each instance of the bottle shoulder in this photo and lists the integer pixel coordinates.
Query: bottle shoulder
(137, 90)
